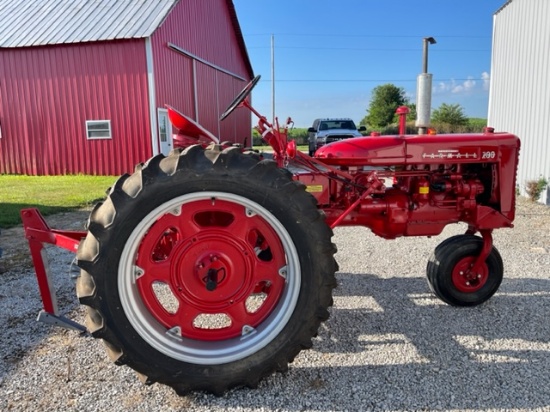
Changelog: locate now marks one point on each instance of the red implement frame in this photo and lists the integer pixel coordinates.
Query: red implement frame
(39, 233)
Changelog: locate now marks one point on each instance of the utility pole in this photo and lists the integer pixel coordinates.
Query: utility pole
(273, 79)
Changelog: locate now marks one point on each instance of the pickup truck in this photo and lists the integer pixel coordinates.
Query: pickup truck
(325, 131)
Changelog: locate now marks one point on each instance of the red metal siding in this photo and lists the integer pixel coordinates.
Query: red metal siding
(207, 96)
(48, 93)
(243, 119)
(237, 127)
(205, 29)
(228, 91)
(174, 80)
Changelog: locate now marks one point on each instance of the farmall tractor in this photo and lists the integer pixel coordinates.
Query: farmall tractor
(212, 268)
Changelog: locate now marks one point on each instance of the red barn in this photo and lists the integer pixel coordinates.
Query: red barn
(84, 84)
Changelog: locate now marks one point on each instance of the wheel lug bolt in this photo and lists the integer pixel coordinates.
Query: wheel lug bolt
(467, 283)
(478, 276)
(461, 273)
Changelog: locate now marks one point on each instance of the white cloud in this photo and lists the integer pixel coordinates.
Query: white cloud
(486, 80)
(445, 87)
(463, 87)
(457, 89)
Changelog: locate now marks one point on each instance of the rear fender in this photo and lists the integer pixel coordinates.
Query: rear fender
(189, 131)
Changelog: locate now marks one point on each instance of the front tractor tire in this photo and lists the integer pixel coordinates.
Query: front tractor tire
(449, 275)
(206, 270)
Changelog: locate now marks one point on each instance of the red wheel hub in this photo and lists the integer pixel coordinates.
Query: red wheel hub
(467, 281)
(212, 273)
(213, 258)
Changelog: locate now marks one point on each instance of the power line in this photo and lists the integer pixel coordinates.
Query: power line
(368, 80)
(368, 49)
(364, 35)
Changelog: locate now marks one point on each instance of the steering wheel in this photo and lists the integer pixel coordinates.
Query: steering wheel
(240, 97)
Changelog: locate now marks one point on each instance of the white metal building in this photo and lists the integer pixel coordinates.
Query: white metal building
(519, 97)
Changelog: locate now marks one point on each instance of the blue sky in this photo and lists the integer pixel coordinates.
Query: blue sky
(329, 54)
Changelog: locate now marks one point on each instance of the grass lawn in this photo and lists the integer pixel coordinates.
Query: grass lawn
(50, 194)
(55, 194)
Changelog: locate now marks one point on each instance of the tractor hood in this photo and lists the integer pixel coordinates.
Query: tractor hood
(420, 149)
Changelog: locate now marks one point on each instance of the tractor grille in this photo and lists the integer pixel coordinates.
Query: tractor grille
(338, 137)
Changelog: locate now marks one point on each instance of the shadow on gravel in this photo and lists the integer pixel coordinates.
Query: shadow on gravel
(417, 352)
(406, 306)
(391, 345)
(388, 345)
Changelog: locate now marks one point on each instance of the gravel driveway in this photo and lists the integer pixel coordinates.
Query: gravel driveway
(388, 345)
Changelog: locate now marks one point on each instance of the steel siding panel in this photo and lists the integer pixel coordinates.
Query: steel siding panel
(173, 80)
(520, 85)
(151, 19)
(109, 25)
(89, 27)
(47, 93)
(189, 26)
(20, 17)
(227, 93)
(136, 16)
(207, 96)
(56, 91)
(70, 32)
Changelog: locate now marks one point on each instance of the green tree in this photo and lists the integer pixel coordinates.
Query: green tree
(412, 114)
(385, 100)
(476, 124)
(449, 114)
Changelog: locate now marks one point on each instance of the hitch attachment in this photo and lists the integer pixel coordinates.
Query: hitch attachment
(38, 233)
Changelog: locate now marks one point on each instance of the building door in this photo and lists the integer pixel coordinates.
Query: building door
(165, 132)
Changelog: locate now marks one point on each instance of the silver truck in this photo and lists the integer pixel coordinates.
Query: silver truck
(325, 131)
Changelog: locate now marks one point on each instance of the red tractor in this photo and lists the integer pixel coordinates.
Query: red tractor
(213, 267)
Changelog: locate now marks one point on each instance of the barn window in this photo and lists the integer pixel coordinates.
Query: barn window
(98, 129)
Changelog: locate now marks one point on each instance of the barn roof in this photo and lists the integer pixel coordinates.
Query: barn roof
(45, 22)
(27, 23)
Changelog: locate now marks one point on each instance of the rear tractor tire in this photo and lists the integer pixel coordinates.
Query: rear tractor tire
(448, 271)
(206, 270)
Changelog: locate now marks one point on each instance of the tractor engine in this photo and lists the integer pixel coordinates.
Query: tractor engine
(416, 185)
